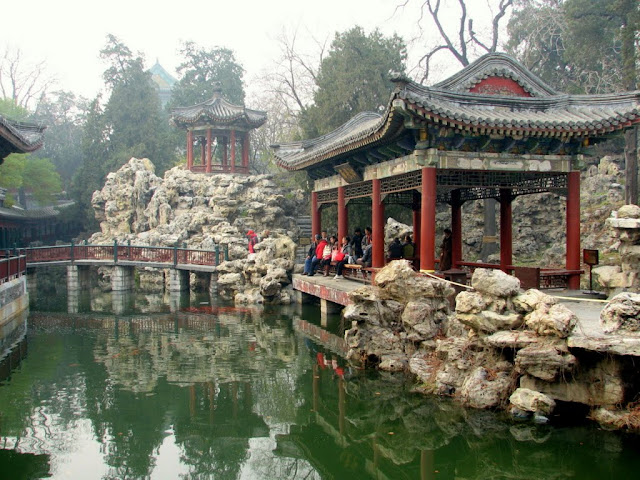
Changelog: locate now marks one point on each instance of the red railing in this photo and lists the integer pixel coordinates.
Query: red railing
(131, 253)
(530, 277)
(12, 267)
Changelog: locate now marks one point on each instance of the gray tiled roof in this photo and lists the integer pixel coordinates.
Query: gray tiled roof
(19, 137)
(218, 112)
(545, 113)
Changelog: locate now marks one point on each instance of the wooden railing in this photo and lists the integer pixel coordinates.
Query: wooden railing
(530, 277)
(12, 266)
(131, 253)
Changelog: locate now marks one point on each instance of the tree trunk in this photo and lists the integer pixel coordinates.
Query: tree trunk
(631, 165)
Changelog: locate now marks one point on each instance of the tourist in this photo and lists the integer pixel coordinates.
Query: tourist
(408, 248)
(343, 257)
(320, 244)
(445, 251)
(356, 243)
(326, 254)
(365, 260)
(311, 253)
(253, 239)
(366, 240)
(395, 249)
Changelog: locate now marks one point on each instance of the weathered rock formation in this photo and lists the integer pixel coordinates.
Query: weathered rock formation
(625, 224)
(201, 212)
(501, 346)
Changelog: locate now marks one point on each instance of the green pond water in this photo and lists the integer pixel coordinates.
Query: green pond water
(198, 390)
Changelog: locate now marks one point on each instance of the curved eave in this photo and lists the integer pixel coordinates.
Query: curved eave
(386, 128)
(560, 115)
(20, 137)
(217, 112)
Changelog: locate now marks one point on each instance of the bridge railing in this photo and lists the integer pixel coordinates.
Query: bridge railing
(12, 267)
(133, 253)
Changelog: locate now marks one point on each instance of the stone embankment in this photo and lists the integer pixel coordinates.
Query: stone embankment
(202, 211)
(499, 347)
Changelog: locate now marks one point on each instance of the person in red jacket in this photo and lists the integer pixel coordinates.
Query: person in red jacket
(253, 239)
(321, 243)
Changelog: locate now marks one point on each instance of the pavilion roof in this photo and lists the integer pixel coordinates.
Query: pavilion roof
(19, 137)
(218, 113)
(524, 106)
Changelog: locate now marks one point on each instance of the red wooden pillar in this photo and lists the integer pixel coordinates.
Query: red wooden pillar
(209, 141)
(573, 228)
(343, 216)
(456, 228)
(202, 151)
(416, 233)
(428, 220)
(245, 152)
(189, 149)
(316, 216)
(377, 225)
(506, 230)
(225, 153)
(233, 151)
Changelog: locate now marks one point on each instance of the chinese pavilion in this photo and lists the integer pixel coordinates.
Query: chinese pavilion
(493, 130)
(218, 126)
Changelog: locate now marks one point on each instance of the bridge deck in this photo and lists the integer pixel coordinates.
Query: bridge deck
(326, 288)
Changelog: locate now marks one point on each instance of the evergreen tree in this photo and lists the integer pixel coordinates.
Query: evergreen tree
(354, 77)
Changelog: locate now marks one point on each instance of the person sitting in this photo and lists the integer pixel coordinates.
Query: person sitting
(356, 243)
(365, 260)
(408, 248)
(311, 253)
(343, 257)
(320, 244)
(326, 254)
(395, 249)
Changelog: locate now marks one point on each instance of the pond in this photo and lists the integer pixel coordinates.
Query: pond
(204, 390)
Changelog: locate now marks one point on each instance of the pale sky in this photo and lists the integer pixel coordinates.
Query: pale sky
(68, 34)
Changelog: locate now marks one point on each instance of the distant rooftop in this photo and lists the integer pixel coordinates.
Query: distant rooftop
(162, 78)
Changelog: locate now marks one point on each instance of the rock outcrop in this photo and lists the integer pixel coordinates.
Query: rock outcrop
(202, 212)
(625, 225)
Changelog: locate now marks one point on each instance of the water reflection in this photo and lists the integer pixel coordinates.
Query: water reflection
(211, 391)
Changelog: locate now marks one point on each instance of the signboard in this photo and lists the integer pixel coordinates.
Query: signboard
(590, 256)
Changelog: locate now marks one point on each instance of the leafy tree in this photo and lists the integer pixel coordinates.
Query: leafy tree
(64, 115)
(9, 109)
(29, 174)
(353, 78)
(579, 46)
(131, 124)
(200, 70)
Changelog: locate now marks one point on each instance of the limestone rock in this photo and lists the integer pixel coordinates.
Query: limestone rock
(531, 299)
(555, 320)
(468, 302)
(513, 339)
(622, 313)
(402, 283)
(532, 401)
(424, 319)
(495, 283)
(393, 363)
(490, 322)
(485, 389)
(545, 361)
(598, 384)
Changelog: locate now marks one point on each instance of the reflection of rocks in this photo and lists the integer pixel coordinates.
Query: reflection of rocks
(190, 349)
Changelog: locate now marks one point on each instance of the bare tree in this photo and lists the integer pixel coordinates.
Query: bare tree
(21, 81)
(294, 79)
(458, 36)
